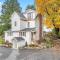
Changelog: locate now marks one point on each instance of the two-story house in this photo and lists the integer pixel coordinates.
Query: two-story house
(22, 28)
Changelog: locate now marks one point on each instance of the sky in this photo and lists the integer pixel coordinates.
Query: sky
(0, 7)
(23, 3)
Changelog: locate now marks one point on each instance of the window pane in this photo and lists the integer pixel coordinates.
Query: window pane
(28, 24)
(15, 23)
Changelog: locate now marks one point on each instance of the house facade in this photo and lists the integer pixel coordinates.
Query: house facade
(23, 26)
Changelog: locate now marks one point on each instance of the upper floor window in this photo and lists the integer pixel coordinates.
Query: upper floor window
(28, 24)
(15, 23)
(30, 15)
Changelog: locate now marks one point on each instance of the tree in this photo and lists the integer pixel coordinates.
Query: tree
(53, 16)
(51, 10)
(30, 7)
(39, 15)
(8, 8)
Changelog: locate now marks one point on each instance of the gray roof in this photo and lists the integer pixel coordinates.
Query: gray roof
(28, 29)
(19, 38)
(22, 17)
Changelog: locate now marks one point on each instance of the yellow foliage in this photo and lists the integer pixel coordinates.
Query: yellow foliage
(40, 5)
(40, 10)
(48, 23)
(57, 21)
(52, 12)
(38, 2)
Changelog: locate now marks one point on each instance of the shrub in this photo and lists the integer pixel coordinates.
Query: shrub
(8, 44)
(33, 45)
(2, 41)
(49, 42)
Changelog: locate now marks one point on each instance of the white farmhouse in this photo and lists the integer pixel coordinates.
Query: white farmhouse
(22, 28)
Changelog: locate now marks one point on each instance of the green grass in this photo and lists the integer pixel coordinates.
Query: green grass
(1, 41)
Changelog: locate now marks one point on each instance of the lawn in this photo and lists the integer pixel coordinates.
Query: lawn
(1, 41)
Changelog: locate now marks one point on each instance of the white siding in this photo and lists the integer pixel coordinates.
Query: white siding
(30, 11)
(15, 18)
(28, 38)
(20, 24)
(15, 34)
(23, 24)
(19, 44)
(8, 38)
(31, 24)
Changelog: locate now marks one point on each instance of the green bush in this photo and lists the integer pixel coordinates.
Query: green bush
(33, 45)
(1, 40)
(49, 42)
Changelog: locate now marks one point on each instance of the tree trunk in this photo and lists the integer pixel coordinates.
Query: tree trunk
(40, 27)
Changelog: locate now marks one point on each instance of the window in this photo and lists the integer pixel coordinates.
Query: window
(24, 33)
(15, 23)
(30, 15)
(10, 33)
(28, 24)
(21, 33)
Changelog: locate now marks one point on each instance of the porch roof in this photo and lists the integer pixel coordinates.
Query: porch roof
(29, 29)
(26, 29)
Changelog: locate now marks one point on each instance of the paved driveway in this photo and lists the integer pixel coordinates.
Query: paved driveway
(4, 53)
(26, 54)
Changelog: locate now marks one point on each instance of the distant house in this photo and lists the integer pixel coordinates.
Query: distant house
(22, 28)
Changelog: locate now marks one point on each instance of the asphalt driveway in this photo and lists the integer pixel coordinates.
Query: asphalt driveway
(28, 54)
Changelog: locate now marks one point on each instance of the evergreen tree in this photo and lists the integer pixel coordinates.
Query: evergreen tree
(8, 8)
(30, 7)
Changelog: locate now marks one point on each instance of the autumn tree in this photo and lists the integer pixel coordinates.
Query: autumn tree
(50, 9)
(39, 15)
(53, 16)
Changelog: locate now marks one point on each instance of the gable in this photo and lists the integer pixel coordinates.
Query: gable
(30, 13)
(19, 16)
(15, 16)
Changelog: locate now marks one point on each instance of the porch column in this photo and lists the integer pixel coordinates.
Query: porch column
(28, 37)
